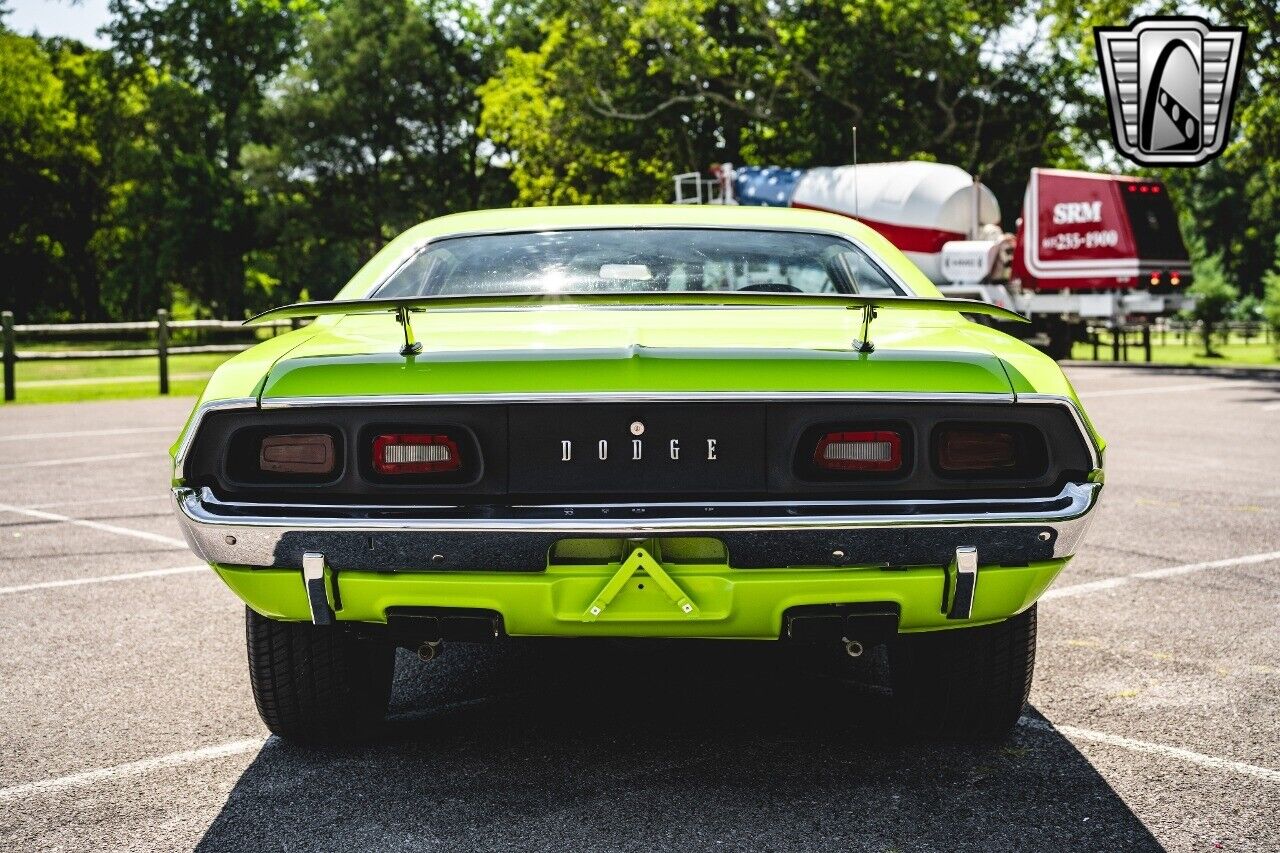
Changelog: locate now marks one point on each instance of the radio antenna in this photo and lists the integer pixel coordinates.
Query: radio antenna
(855, 171)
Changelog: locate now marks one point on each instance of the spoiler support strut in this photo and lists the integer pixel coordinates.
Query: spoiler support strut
(411, 346)
(862, 343)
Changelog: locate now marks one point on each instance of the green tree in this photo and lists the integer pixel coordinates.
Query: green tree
(374, 128)
(109, 107)
(619, 97)
(1271, 298)
(216, 59)
(1215, 297)
(35, 120)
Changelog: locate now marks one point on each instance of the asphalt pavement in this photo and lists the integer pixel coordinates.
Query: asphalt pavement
(126, 720)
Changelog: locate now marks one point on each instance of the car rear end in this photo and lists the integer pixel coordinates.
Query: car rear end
(756, 507)
(746, 468)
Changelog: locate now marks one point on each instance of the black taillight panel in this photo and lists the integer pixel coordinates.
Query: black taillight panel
(227, 454)
(302, 454)
(387, 457)
(1039, 465)
(855, 451)
(1036, 449)
(966, 450)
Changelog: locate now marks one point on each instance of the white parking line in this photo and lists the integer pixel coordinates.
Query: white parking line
(94, 525)
(128, 576)
(45, 463)
(240, 747)
(1197, 758)
(133, 768)
(1164, 389)
(208, 753)
(74, 433)
(1155, 574)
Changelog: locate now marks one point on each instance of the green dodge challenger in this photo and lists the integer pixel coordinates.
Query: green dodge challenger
(728, 422)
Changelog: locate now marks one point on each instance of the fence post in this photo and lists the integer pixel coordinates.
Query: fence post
(1146, 342)
(162, 346)
(10, 354)
(1093, 336)
(1115, 342)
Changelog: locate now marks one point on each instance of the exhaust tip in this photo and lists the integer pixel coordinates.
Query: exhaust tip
(852, 648)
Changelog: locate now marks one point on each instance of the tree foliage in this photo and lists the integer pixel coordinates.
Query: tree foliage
(618, 97)
(224, 155)
(1214, 298)
(374, 128)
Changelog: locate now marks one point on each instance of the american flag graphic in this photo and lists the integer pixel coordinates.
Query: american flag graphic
(770, 186)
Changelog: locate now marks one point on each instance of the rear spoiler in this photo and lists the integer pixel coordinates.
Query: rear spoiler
(870, 304)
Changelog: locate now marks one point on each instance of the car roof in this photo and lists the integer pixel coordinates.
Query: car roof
(636, 215)
(629, 216)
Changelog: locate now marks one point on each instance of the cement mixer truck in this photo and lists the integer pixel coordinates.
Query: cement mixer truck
(1087, 249)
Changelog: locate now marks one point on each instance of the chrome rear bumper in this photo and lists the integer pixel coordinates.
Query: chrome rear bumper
(757, 535)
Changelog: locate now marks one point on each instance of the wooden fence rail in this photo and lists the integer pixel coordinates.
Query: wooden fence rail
(161, 326)
(1121, 338)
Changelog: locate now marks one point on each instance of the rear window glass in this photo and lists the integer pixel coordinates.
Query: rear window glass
(637, 261)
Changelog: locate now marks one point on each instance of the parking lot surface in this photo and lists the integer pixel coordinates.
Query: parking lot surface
(126, 720)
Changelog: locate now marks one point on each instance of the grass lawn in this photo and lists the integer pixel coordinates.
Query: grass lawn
(115, 378)
(1234, 354)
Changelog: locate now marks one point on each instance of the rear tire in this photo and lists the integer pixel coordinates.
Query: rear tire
(967, 683)
(317, 684)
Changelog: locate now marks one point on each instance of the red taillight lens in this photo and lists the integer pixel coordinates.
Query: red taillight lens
(977, 450)
(415, 453)
(310, 453)
(1175, 279)
(1155, 279)
(873, 450)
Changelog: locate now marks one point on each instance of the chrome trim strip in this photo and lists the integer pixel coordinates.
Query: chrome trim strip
(255, 540)
(639, 397)
(180, 457)
(208, 498)
(1080, 497)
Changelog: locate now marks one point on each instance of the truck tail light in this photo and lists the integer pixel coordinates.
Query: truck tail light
(1175, 279)
(872, 450)
(972, 450)
(309, 453)
(415, 453)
